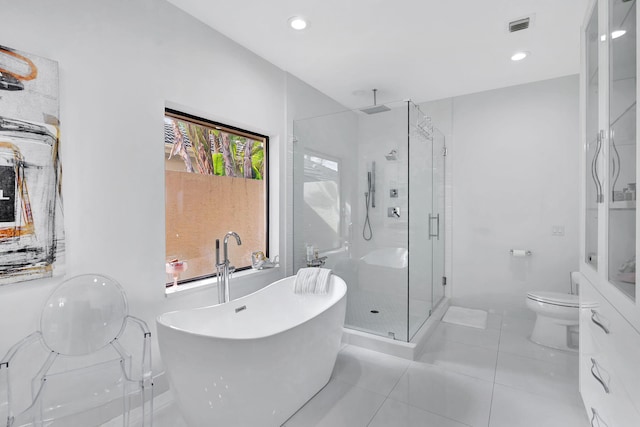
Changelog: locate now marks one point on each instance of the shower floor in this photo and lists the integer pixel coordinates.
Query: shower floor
(383, 314)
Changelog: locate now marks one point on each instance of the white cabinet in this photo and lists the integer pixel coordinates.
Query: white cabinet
(609, 374)
(609, 134)
(609, 369)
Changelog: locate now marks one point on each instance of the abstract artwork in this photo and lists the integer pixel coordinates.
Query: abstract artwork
(31, 226)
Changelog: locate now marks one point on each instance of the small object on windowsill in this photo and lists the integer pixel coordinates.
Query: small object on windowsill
(259, 261)
(174, 268)
(317, 261)
(310, 252)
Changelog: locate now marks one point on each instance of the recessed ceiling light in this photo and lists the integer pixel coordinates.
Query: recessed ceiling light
(298, 23)
(519, 56)
(618, 33)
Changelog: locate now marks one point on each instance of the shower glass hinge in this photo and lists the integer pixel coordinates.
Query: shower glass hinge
(445, 151)
(444, 281)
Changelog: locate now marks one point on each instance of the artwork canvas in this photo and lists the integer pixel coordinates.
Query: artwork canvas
(31, 226)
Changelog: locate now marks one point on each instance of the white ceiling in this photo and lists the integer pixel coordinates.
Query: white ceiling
(418, 49)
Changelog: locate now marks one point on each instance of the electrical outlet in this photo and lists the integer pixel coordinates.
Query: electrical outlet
(557, 230)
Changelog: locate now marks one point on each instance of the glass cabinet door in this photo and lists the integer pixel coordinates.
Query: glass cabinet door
(593, 143)
(622, 145)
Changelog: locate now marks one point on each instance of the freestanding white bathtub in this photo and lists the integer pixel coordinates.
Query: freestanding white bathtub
(256, 360)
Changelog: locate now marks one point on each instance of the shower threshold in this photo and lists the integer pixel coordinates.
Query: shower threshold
(407, 350)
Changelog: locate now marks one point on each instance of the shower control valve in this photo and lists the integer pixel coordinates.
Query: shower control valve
(393, 212)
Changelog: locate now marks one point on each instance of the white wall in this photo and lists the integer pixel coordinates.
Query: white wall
(515, 163)
(121, 62)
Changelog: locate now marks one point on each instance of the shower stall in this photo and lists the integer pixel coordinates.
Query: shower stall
(369, 200)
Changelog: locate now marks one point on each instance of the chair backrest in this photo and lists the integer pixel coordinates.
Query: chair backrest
(83, 315)
(89, 362)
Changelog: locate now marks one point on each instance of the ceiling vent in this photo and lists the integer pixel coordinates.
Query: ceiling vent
(518, 25)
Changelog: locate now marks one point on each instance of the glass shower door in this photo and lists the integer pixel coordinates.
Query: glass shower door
(423, 220)
(368, 196)
(438, 274)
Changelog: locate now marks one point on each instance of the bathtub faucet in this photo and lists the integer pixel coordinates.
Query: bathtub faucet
(223, 268)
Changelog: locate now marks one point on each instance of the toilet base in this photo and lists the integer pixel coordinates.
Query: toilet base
(555, 333)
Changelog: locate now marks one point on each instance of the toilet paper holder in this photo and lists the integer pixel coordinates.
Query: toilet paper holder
(520, 252)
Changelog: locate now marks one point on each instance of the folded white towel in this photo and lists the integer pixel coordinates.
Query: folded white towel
(312, 281)
(322, 282)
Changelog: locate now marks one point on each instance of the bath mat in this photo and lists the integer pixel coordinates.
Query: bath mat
(466, 317)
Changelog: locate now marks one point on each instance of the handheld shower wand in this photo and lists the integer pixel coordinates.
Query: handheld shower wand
(373, 184)
(369, 200)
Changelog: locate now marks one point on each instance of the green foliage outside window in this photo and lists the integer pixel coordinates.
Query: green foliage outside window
(211, 151)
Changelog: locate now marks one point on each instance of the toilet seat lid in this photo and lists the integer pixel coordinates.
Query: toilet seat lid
(555, 298)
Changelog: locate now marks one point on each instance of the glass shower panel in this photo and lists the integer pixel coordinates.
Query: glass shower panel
(423, 219)
(350, 203)
(323, 188)
(439, 153)
(379, 303)
(622, 146)
(368, 196)
(593, 143)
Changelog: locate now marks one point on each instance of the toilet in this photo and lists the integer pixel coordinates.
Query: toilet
(557, 317)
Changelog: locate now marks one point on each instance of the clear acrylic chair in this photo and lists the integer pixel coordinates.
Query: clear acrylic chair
(89, 364)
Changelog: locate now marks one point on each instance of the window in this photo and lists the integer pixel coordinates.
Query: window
(322, 200)
(215, 182)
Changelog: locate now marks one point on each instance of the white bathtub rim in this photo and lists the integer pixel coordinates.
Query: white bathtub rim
(161, 322)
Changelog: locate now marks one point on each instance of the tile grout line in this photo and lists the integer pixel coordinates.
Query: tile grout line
(538, 359)
(495, 372)
(388, 394)
(377, 410)
(426, 410)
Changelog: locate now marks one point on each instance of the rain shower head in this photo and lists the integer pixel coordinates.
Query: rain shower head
(393, 155)
(376, 108)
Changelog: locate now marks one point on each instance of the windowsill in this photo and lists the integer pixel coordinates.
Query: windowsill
(212, 282)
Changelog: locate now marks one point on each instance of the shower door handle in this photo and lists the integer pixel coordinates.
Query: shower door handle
(437, 233)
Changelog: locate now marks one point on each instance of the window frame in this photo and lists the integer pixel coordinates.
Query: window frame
(180, 115)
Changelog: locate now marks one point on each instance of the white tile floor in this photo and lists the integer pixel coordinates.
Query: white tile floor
(464, 377)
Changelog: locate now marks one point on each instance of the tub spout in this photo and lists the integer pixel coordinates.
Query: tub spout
(224, 268)
(226, 241)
